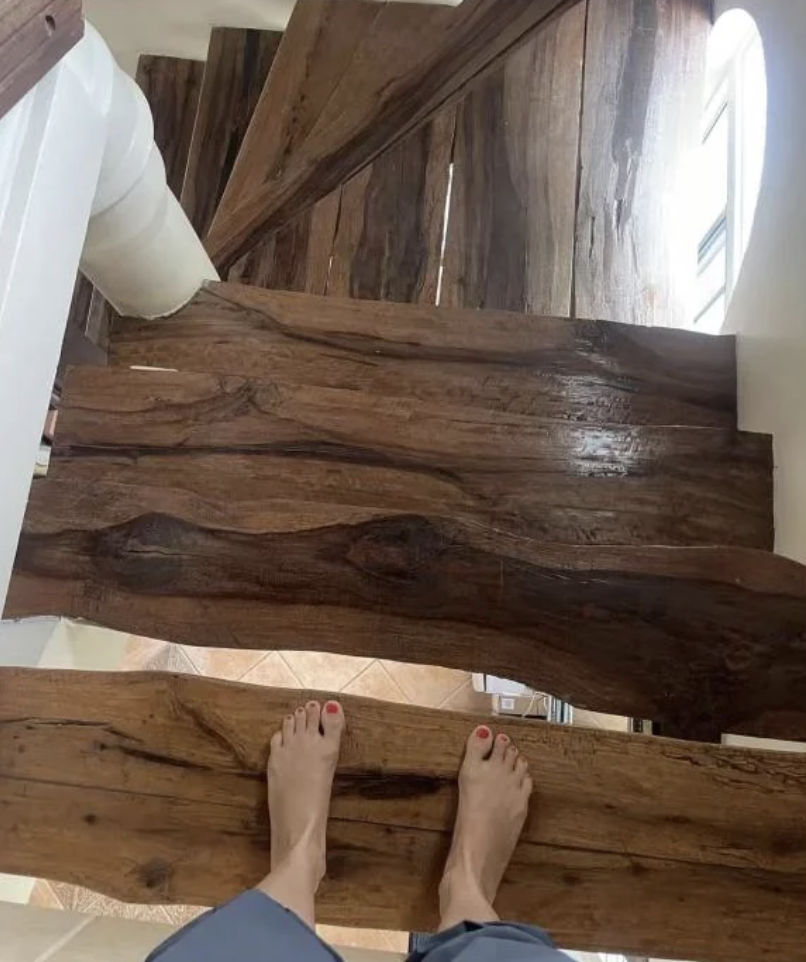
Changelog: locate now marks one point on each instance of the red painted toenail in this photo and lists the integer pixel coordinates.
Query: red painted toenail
(483, 732)
(331, 708)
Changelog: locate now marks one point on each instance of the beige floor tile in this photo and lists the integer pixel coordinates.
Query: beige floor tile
(317, 669)
(78, 899)
(466, 698)
(182, 914)
(229, 663)
(595, 719)
(426, 685)
(381, 939)
(272, 670)
(173, 658)
(375, 682)
(28, 934)
(140, 652)
(43, 896)
(112, 939)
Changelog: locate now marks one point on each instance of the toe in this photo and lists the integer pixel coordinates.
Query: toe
(333, 720)
(276, 741)
(479, 743)
(288, 728)
(521, 767)
(511, 757)
(502, 743)
(299, 721)
(313, 715)
(526, 786)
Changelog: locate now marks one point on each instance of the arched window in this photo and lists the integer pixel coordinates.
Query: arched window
(730, 163)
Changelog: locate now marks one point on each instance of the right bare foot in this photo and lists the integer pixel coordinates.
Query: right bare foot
(494, 790)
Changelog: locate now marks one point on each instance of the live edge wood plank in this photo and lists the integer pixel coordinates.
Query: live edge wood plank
(151, 787)
(579, 371)
(34, 36)
(703, 640)
(559, 481)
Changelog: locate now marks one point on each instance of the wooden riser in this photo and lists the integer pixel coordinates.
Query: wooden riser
(683, 636)
(151, 788)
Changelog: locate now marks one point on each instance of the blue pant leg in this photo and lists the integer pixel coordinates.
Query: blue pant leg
(491, 942)
(250, 928)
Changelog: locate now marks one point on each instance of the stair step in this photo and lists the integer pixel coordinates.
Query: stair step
(587, 372)
(685, 636)
(557, 481)
(238, 63)
(350, 79)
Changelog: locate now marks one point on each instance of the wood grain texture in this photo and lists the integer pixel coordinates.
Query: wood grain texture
(34, 36)
(354, 79)
(389, 240)
(578, 371)
(164, 775)
(172, 86)
(238, 62)
(702, 640)
(297, 257)
(510, 241)
(644, 75)
(558, 481)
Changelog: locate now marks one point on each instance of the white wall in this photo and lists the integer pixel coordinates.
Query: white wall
(768, 309)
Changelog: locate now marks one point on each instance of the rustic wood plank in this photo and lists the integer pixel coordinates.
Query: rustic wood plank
(389, 240)
(172, 86)
(644, 74)
(398, 65)
(163, 774)
(297, 257)
(238, 62)
(558, 481)
(510, 242)
(34, 36)
(702, 640)
(580, 371)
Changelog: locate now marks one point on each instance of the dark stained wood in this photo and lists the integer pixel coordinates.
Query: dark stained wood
(172, 86)
(558, 481)
(644, 74)
(399, 63)
(510, 242)
(701, 640)
(164, 775)
(34, 36)
(238, 63)
(296, 257)
(579, 371)
(389, 240)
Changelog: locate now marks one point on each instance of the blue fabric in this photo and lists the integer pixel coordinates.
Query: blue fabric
(254, 928)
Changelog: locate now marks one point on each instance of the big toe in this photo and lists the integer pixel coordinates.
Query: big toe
(333, 721)
(478, 744)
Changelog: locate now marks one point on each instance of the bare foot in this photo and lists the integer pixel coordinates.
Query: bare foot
(494, 790)
(302, 763)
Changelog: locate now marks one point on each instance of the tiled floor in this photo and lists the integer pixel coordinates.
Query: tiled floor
(372, 678)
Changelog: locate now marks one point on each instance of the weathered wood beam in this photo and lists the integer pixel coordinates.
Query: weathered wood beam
(389, 68)
(703, 640)
(151, 788)
(577, 371)
(34, 36)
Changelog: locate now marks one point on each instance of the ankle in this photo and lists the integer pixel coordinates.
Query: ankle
(462, 898)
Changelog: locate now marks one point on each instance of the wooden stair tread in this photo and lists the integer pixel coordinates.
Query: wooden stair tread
(238, 62)
(386, 69)
(686, 636)
(685, 850)
(574, 370)
(554, 480)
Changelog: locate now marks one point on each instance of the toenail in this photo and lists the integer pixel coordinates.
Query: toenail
(483, 732)
(312, 704)
(331, 708)
(503, 738)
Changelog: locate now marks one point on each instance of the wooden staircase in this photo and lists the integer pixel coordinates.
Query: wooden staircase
(336, 450)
